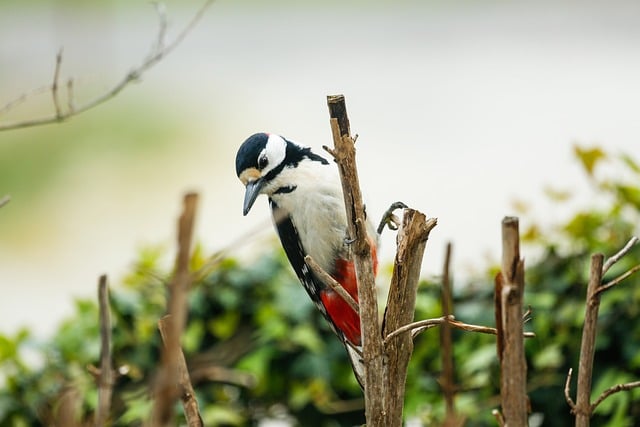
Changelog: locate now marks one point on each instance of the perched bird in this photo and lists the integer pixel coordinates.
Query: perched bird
(307, 205)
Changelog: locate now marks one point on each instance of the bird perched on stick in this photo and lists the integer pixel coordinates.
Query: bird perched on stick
(308, 211)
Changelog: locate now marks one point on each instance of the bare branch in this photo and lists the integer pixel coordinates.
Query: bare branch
(447, 379)
(422, 325)
(401, 302)
(4, 200)
(54, 85)
(106, 377)
(331, 282)
(622, 252)
(417, 327)
(588, 343)
(373, 350)
(567, 391)
(499, 418)
(158, 52)
(513, 366)
(188, 395)
(612, 390)
(618, 279)
(167, 387)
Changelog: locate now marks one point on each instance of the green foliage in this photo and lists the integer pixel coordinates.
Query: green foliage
(257, 348)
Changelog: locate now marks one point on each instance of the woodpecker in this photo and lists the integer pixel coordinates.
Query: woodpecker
(307, 206)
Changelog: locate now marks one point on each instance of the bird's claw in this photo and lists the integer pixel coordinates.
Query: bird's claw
(389, 219)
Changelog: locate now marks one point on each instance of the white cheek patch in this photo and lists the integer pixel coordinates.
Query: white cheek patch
(275, 150)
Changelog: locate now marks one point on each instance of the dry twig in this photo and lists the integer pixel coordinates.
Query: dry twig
(582, 408)
(4, 200)
(331, 282)
(344, 154)
(188, 395)
(567, 391)
(513, 366)
(106, 377)
(612, 390)
(158, 51)
(167, 387)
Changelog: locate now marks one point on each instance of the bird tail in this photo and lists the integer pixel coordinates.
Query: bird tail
(357, 362)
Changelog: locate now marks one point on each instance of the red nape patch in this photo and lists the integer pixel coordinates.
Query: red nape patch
(345, 319)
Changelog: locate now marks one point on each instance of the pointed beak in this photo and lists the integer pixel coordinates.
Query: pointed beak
(251, 193)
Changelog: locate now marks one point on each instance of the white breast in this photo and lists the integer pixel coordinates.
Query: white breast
(316, 208)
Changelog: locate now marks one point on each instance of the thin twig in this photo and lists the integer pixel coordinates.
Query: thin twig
(618, 279)
(133, 75)
(588, 343)
(615, 389)
(567, 391)
(106, 377)
(331, 282)
(54, 85)
(188, 395)
(4, 200)
(70, 105)
(622, 252)
(499, 417)
(422, 325)
(167, 388)
(447, 380)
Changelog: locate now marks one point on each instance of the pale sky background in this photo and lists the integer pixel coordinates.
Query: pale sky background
(460, 107)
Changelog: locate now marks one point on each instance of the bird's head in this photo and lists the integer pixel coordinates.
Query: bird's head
(261, 160)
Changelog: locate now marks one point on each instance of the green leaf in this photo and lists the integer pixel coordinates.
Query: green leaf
(589, 157)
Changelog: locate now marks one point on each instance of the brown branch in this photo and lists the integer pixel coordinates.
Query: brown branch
(401, 301)
(618, 279)
(513, 366)
(447, 379)
(588, 343)
(54, 85)
(157, 53)
(622, 252)
(499, 417)
(188, 395)
(421, 325)
(167, 387)
(4, 200)
(331, 282)
(567, 392)
(373, 351)
(612, 390)
(107, 375)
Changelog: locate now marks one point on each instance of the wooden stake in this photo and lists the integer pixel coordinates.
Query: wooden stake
(513, 375)
(344, 153)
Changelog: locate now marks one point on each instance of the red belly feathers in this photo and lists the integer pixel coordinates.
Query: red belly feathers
(343, 316)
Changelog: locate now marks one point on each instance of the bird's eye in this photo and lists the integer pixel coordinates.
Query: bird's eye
(262, 162)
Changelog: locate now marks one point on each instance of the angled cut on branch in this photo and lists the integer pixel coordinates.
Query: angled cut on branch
(159, 50)
(344, 154)
(401, 302)
(509, 323)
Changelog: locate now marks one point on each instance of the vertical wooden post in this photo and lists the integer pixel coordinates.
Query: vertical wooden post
(588, 345)
(106, 378)
(401, 303)
(344, 153)
(513, 375)
(447, 382)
